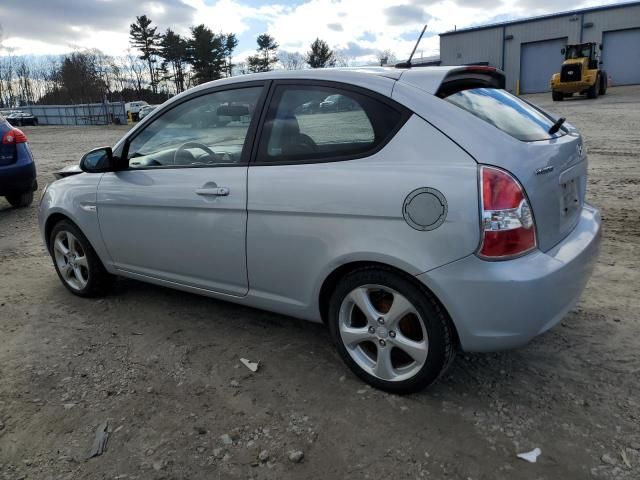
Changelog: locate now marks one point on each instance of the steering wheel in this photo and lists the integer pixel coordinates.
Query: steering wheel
(186, 145)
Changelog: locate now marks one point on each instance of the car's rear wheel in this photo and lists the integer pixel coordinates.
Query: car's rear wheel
(20, 200)
(389, 331)
(76, 262)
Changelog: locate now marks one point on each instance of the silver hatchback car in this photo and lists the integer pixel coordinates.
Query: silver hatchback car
(438, 212)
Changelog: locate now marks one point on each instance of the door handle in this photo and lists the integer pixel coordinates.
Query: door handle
(215, 191)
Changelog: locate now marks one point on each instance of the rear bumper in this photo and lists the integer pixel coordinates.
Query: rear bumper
(16, 178)
(500, 305)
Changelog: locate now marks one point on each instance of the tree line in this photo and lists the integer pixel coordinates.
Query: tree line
(157, 66)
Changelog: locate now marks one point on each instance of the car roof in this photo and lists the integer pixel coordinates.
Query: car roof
(427, 78)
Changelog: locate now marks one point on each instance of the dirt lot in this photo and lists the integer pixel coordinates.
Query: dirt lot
(162, 367)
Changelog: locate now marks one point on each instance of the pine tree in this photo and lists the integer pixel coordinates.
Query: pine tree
(320, 55)
(173, 50)
(207, 54)
(264, 60)
(145, 38)
(230, 44)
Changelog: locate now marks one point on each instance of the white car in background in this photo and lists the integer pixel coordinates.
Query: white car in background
(134, 108)
(146, 110)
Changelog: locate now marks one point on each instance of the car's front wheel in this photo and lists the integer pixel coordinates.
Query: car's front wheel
(76, 262)
(20, 200)
(389, 331)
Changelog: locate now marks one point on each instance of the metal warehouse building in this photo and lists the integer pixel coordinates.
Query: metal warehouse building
(528, 50)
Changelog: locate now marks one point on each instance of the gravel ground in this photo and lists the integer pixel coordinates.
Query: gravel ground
(162, 367)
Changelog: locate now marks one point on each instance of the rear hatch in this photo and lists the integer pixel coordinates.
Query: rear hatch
(551, 167)
(8, 153)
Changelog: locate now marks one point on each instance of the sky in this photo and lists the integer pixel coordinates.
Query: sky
(360, 28)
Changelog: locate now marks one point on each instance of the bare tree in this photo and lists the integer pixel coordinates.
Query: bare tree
(291, 60)
(386, 57)
(23, 77)
(343, 59)
(7, 78)
(135, 69)
(241, 68)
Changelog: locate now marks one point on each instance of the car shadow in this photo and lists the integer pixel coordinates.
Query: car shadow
(490, 373)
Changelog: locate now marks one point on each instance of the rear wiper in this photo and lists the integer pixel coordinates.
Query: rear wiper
(556, 126)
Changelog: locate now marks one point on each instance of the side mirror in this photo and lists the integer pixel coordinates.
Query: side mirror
(98, 160)
(562, 51)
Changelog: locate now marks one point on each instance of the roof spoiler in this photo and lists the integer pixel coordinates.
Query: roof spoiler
(470, 76)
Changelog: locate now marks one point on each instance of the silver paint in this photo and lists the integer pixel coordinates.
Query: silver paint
(281, 230)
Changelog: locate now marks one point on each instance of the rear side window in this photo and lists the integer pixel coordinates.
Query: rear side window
(318, 123)
(506, 112)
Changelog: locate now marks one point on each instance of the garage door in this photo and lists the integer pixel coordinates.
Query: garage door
(538, 61)
(621, 56)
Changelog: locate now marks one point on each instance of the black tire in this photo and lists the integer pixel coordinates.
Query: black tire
(438, 326)
(20, 200)
(99, 280)
(603, 83)
(593, 90)
(557, 96)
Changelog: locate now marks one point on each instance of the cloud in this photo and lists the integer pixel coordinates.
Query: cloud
(355, 50)
(406, 15)
(367, 37)
(483, 3)
(69, 22)
(57, 26)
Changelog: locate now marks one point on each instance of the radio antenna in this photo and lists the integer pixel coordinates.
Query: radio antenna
(407, 64)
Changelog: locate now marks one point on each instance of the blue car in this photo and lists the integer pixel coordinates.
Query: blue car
(17, 168)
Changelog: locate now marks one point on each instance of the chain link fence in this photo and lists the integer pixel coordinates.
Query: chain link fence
(82, 114)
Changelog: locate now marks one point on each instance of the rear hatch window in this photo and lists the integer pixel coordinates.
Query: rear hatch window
(506, 112)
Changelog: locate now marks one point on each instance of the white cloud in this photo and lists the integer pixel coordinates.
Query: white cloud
(360, 26)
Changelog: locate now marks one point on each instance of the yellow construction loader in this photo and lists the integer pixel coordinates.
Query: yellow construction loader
(580, 72)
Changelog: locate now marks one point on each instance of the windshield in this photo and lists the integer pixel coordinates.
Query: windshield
(578, 51)
(506, 112)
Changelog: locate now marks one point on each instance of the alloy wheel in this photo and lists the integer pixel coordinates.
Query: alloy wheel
(383, 332)
(71, 260)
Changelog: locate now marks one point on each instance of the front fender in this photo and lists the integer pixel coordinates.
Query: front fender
(75, 198)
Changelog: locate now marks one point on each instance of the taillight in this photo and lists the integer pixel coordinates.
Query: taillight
(13, 136)
(508, 228)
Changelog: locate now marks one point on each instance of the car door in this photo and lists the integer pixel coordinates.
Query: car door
(177, 212)
(315, 185)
